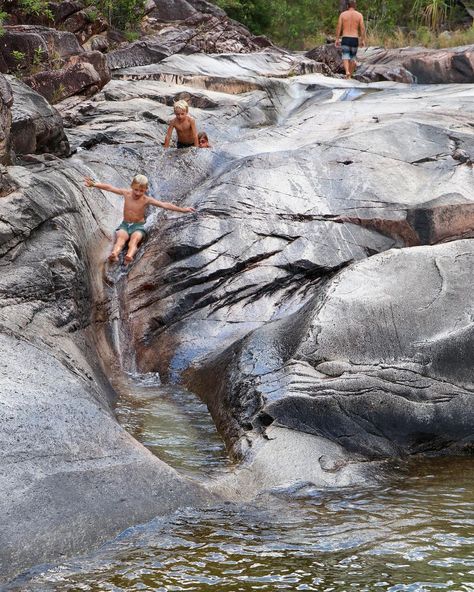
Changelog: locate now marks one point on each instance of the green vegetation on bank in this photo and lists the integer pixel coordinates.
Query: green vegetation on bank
(299, 24)
(296, 24)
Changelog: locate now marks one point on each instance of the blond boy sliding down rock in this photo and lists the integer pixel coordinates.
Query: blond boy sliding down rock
(132, 229)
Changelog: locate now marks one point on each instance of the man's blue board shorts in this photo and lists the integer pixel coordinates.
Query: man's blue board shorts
(349, 46)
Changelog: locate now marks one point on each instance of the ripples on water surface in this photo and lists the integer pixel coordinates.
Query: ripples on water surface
(413, 534)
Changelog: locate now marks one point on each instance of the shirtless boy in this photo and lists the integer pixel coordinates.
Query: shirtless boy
(132, 229)
(184, 125)
(351, 27)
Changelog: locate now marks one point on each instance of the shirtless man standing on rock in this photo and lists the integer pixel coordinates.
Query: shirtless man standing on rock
(351, 27)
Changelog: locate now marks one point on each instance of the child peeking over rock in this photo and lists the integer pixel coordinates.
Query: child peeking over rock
(203, 140)
(132, 228)
(184, 125)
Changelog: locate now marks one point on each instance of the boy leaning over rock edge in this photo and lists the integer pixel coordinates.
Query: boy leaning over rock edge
(185, 127)
(132, 228)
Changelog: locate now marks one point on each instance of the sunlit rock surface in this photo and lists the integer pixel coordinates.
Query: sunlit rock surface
(318, 301)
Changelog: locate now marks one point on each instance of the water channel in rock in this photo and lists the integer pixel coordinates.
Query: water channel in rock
(411, 533)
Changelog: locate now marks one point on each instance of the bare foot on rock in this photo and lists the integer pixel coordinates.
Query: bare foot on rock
(113, 257)
(128, 259)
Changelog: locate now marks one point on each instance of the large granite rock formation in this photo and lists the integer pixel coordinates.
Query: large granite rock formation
(205, 33)
(409, 64)
(308, 176)
(85, 74)
(319, 300)
(25, 46)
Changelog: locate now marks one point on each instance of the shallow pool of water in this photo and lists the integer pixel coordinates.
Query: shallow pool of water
(413, 533)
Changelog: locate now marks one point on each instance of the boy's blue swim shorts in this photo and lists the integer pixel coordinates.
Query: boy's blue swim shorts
(132, 227)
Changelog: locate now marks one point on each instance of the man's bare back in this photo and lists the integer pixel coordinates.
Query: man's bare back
(352, 24)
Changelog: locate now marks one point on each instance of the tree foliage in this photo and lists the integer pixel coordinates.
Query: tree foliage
(290, 22)
(122, 14)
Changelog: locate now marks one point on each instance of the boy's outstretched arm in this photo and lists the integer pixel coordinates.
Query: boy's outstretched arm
(168, 135)
(88, 182)
(195, 133)
(166, 205)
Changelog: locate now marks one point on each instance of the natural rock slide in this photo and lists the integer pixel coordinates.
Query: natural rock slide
(319, 301)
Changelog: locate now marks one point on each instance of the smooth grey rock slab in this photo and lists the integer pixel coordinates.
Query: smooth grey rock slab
(70, 476)
(206, 32)
(289, 459)
(239, 66)
(411, 65)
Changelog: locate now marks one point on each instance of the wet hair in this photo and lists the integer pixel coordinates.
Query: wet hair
(181, 105)
(352, 4)
(140, 180)
(203, 135)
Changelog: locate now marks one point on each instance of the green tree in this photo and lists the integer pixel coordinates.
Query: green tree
(122, 14)
(255, 14)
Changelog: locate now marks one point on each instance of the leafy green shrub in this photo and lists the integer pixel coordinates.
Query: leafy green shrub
(131, 36)
(58, 94)
(255, 14)
(3, 16)
(122, 14)
(18, 56)
(298, 23)
(92, 14)
(36, 7)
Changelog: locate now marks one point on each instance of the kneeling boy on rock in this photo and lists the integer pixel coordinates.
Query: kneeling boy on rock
(132, 229)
